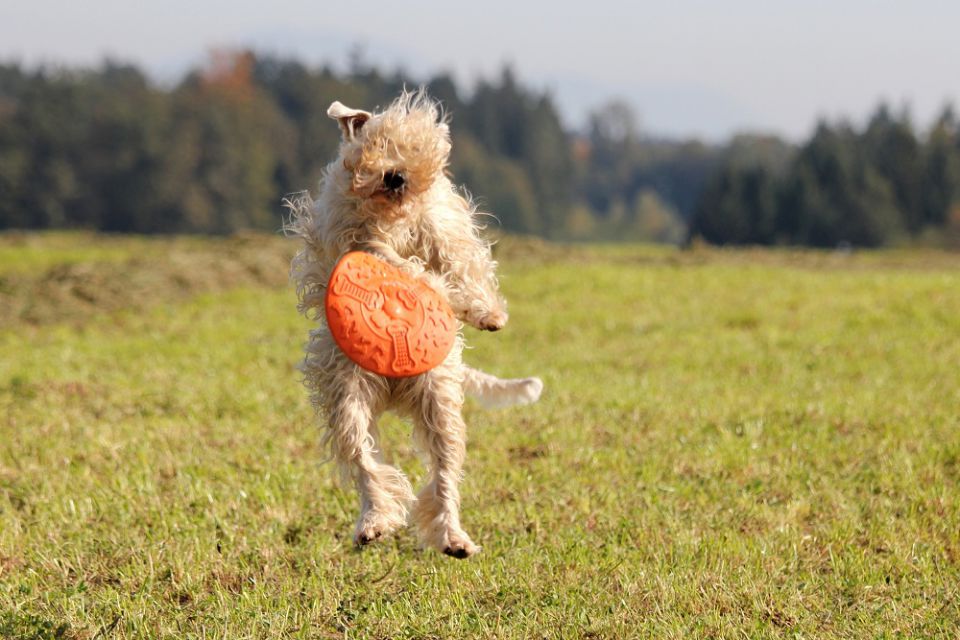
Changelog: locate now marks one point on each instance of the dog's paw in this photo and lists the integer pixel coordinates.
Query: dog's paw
(492, 321)
(365, 537)
(373, 526)
(436, 532)
(460, 546)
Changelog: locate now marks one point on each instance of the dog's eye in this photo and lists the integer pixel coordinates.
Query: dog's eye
(393, 180)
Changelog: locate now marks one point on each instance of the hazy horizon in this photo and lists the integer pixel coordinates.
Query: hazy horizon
(691, 69)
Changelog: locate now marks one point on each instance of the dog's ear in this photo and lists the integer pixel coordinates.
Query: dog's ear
(351, 120)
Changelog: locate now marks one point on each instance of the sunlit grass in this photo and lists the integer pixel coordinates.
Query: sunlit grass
(730, 445)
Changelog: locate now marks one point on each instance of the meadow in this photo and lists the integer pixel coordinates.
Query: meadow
(731, 444)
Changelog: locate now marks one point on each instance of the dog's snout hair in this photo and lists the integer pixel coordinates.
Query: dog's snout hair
(388, 193)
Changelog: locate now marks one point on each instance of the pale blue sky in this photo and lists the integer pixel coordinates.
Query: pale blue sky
(690, 67)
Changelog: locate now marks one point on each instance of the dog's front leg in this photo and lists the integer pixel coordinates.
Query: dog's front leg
(472, 286)
(466, 278)
(413, 268)
(476, 301)
(486, 316)
(389, 255)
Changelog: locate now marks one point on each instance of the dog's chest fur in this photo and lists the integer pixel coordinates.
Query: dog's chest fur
(412, 232)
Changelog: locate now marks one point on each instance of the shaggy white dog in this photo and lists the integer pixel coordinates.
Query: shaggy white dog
(388, 193)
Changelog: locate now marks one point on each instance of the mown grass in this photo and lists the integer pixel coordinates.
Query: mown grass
(72, 277)
(731, 444)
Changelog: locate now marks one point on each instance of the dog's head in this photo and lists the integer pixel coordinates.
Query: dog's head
(395, 155)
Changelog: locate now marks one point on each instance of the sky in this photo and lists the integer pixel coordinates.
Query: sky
(700, 68)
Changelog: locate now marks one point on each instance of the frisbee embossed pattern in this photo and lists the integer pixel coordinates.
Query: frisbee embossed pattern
(384, 320)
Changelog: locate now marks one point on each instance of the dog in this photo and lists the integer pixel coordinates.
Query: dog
(388, 193)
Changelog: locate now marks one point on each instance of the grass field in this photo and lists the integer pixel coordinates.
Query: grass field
(730, 445)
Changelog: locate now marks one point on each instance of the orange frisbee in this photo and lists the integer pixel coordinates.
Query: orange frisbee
(386, 321)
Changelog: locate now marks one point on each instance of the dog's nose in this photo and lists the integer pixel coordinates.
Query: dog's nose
(393, 180)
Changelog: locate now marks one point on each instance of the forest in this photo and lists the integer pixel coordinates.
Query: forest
(109, 149)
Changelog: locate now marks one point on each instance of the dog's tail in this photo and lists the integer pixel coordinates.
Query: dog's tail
(492, 392)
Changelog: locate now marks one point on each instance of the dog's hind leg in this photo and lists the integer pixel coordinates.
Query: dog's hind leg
(441, 433)
(385, 493)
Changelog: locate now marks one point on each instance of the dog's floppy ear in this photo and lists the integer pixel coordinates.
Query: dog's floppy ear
(350, 119)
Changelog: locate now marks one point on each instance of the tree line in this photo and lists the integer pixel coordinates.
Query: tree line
(108, 149)
(880, 185)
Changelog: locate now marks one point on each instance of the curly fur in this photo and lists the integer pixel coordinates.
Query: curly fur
(422, 224)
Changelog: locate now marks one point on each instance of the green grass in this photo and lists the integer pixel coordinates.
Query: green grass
(730, 444)
(29, 252)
